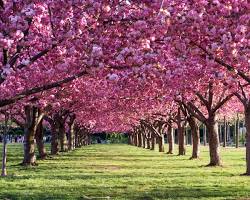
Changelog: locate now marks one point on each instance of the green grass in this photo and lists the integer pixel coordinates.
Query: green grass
(125, 172)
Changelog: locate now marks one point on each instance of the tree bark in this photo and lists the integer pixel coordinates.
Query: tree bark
(195, 137)
(135, 139)
(54, 138)
(148, 142)
(76, 137)
(39, 141)
(129, 140)
(214, 144)
(220, 133)
(143, 141)
(62, 137)
(225, 133)
(33, 118)
(181, 140)
(161, 143)
(4, 157)
(170, 140)
(153, 141)
(247, 124)
(71, 133)
(132, 139)
(228, 132)
(237, 124)
(29, 147)
(204, 135)
(139, 140)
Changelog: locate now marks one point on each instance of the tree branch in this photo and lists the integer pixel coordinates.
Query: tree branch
(37, 56)
(222, 63)
(202, 99)
(221, 103)
(35, 90)
(195, 111)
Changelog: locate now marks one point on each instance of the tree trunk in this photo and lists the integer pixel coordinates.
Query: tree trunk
(153, 141)
(29, 146)
(181, 139)
(195, 137)
(54, 138)
(132, 140)
(170, 140)
(63, 138)
(4, 156)
(247, 124)
(139, 140)
(204, 135)
(148, 142)
(76, 138)
(129, 140)
(71, 136)
(89, 140)
(214, 144)
(31, 123)
(225, 133)
(220, 133)
(228, 133)
(39, 141)
(237, 138)
(161, 143)
(135, 139)
(143, 141)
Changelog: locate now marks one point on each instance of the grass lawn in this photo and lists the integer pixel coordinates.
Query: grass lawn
(125, 172)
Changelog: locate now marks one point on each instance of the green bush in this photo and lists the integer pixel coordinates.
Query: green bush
(117, 138)
(18, 132)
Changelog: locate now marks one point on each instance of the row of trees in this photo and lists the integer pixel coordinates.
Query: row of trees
(66, 134)
(116, 64)
(154, 131)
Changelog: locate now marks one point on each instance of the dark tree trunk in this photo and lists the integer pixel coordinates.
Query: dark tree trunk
(32, 120)
(54, 138)
(76, 138)
(39, 141)
(214, 144)
(135, 139)
(161, 143)
(247, 124)
(139, 140)
(143, 141)
(220, 133)
(148, 142)
(132, 139)
(181, 139)
(72, 135)
(204, 135)
(63, 138)
(4, 156)
(170, 140)
(129, 140)
(153, 141)
(228, 132)
(195, 137)
(29, 147)
(237, 138)
(225, 133)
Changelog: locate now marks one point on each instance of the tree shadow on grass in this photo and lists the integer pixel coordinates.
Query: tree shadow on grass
(193, 193)
(121, 193)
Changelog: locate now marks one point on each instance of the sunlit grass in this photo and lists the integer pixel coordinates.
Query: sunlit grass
(125, 172)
